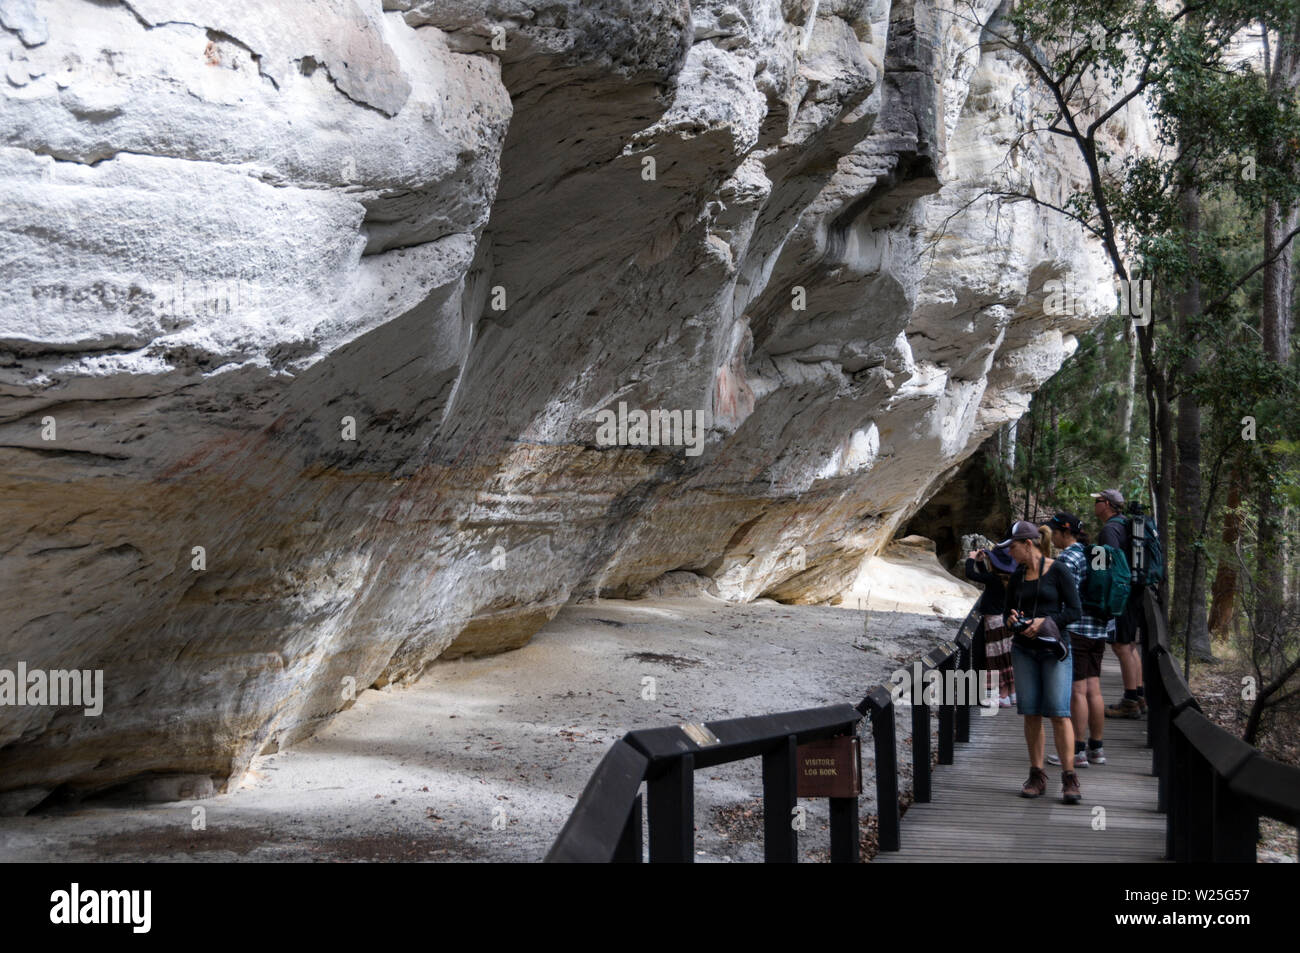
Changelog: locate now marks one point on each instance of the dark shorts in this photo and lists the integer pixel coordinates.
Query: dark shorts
(1126, 626)
(1088, 654)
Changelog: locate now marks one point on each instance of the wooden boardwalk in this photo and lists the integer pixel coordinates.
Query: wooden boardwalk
(976, 812)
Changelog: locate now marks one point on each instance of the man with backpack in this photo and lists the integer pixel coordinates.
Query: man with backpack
(1108, 506)
(1088, 634)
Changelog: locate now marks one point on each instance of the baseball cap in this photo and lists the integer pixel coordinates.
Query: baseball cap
(1066, 521)
(1114, 497)
(1022, 529)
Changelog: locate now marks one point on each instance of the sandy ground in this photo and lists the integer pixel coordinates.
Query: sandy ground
(906, 577)
(483, 759)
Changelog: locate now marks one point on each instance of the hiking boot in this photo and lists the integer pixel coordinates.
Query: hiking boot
(1127, 708)
(1097, 755)
(1142, 703)
(1070, 787)
(1036, 786)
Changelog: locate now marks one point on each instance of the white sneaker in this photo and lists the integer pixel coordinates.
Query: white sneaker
(1005, 702)
(1080, 760)
(1097, 755)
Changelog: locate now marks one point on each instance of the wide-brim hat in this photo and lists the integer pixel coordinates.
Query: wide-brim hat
(1001, 560)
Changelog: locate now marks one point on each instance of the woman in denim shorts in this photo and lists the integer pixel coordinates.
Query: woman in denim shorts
(1040, 590)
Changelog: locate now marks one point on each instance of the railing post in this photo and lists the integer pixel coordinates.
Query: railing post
(920, 746)
(965, 665)
(1159, 717)
(1179, 795)
(780, 779)
(671, 809)
(844, 830)
(1150, 676)
(1200, 816)
(628, 850)
(947, 710)
(885, 740)
(1236, 827)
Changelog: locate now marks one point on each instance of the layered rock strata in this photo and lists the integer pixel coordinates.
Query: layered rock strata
(310, 312)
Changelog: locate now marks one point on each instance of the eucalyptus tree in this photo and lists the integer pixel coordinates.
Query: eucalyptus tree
(1224, 131)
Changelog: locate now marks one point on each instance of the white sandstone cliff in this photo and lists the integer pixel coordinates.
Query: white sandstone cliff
(225, 228)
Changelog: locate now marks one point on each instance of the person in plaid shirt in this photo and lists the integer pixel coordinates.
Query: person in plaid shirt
(1088, 642)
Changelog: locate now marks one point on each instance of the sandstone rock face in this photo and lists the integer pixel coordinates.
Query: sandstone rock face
(970, 502)
(310, 311)
(906, 576)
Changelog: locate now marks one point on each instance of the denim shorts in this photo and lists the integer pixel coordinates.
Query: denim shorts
(1042, 688)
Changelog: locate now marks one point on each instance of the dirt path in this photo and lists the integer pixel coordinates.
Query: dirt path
(483, 759)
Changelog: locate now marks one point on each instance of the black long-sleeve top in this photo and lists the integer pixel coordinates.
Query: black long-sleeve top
(1055, 592)
(993, 601)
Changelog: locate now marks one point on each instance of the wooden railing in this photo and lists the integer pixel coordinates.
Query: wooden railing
(606, 823)
(1213, 787)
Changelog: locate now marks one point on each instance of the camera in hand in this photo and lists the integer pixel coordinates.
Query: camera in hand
(1049, 642)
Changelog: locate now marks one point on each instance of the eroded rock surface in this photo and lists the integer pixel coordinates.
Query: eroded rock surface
(335, 290)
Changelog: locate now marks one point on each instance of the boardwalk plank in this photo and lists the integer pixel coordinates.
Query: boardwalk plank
(976, 812)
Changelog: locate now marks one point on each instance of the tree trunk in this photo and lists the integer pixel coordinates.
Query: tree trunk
(1055, 449)
(1189, 558)
(1223, 592)
(1160, 445)
(1164, 485)
(1029, 458)
(1126, 403)
(1275, 328)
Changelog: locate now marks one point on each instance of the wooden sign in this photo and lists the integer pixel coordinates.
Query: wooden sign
(830, 768)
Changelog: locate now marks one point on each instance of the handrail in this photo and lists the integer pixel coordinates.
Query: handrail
(602, 823)
(1213, 786)
(606, 823)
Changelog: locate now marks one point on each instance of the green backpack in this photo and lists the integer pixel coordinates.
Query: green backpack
(1106, 582)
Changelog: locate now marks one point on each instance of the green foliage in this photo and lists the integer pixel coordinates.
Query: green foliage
(1071, 443)
(1188, 216)
(1221, 134)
